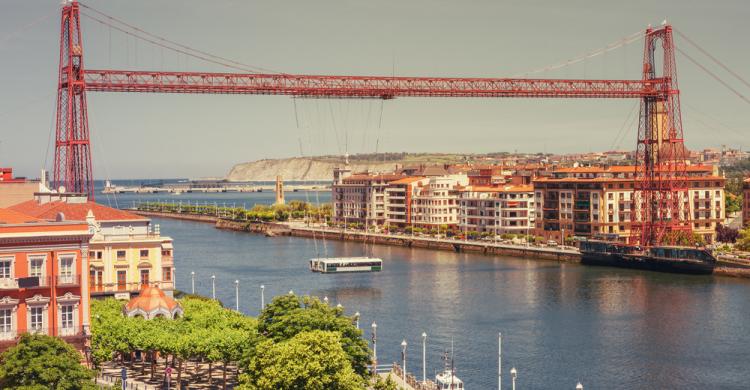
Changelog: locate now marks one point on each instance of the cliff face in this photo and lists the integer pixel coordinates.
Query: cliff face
(298, 169)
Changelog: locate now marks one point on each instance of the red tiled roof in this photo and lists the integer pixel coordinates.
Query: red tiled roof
(407, 180)
(150, 299)
(73, 211)
(14, 217)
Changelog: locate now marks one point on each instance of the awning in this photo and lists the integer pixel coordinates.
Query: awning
(167, 245)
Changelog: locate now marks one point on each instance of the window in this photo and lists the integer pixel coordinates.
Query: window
(144, 253)
(120, 255)
(37, 318)
(66, 318)
(6, 324)
(36, 267)
(166, 274)
(66, 269)
(6, 267)
(144, 277)
(122, 279)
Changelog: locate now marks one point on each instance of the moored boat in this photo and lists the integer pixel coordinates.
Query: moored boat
(662, 258)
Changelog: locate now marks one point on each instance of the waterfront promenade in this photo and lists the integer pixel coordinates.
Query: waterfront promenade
(728, 266)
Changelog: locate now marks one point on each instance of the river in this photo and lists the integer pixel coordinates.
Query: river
(562, 323)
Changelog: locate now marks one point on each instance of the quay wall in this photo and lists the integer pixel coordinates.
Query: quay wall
(428, 243)
(184, 217)
(277, 229)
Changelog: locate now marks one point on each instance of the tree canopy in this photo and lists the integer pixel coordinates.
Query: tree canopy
(310, 360)
(288, 315)
(43, 362)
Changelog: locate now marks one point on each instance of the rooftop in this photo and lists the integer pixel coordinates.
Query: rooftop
(74, 211)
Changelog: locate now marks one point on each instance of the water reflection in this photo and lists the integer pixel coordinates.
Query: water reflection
(609, 328)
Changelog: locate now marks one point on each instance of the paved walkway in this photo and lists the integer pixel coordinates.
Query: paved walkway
(194, 374)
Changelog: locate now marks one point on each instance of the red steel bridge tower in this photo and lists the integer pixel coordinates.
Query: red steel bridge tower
(660, 192)
(73, 168)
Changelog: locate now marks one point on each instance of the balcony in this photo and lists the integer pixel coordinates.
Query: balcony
(29, 282)
(71, 334)
(68, 280)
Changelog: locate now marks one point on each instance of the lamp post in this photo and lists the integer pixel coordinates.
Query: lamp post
(192, 283)
(424, 357)
(403, 356)
(237, 294)
(262, 297)
(213, 286)
(513, 375)
(374, 348)
(499, 361)
(356, 319)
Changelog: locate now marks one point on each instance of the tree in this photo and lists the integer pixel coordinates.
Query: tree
(726, 233)
(43, 362)
(387, 384)
(287, 316)
(311, 360)
(743, 241)
(732, 203)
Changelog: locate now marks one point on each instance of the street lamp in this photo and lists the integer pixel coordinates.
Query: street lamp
(579, 386)
(213, 286)
(237, 294)
(374, 347)
(424, 357)
(499, 361)
(403, 356)
(192, 277)
(513, 375)
(356, 319)
(262, 297)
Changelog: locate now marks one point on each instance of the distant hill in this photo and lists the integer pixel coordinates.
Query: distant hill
(321, 168)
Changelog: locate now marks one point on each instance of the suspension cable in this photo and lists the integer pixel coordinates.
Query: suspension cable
(200, 53)
(714, 59)
(713, 75)
(614, 45)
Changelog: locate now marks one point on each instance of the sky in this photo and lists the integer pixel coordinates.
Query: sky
(167, 135)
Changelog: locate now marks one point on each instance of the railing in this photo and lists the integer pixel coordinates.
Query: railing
(64, 332)
(69, 280)
(29, 282)
(129, 286)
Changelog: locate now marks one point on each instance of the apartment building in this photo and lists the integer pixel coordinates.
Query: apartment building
(41, 285)
(127, 252)
(497, 209)
(360, 198)
(399, 195)
(587, 201)
(436, 201)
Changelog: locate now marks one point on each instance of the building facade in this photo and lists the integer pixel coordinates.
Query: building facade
(435, 202)
(127, 252)
(584, 202)
(360, 198)
(15, 190)
(43, 288)
(507, 209)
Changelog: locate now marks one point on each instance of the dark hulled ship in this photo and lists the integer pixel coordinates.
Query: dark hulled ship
(676, 259)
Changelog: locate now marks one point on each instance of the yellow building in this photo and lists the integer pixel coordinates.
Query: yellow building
(126, 250)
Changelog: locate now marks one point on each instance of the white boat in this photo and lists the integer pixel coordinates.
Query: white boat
(447, 380)
(346, 264)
